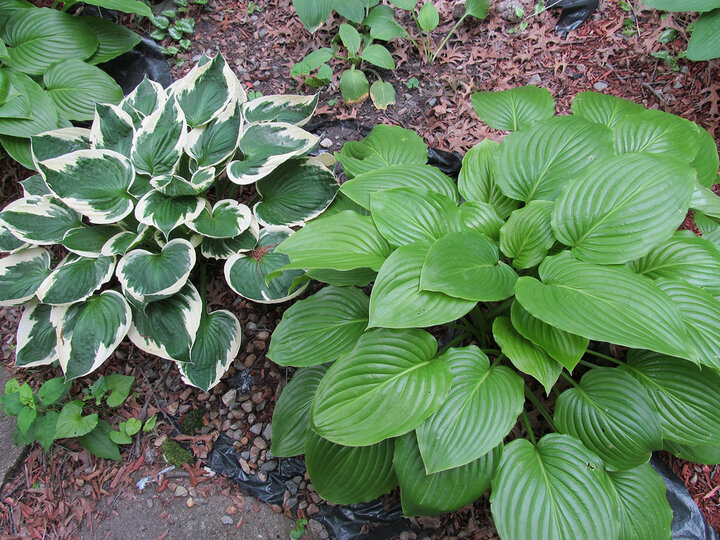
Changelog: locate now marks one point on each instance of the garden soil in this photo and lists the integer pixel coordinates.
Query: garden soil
(54, 495)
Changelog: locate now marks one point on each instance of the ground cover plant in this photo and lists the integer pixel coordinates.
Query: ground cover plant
(704, 41)
(125, 218)
(558, 240)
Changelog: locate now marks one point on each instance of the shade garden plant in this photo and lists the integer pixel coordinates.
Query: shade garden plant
(554, 243)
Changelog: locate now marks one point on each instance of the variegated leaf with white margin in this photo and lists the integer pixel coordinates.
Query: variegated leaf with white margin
(165, 212)
(217, 141)
(92, 182)
(39, 220)
(148, 277)
(21, 274)
(264, 147)
(297, 191)
(291, 109)
(222, 248)
(182, 232)
(123, 242)
(88, 332)
(58, 142)
(35, 186)
(147, 97)
(89, 241)
(36, 338)
(226, 219)
(9, 243)
(75, 280)
(206, 90)
(141, 186)
(176, 186)
(167, 328)
(246, 272)
(112, 128)
(217, 342)
(158, 143)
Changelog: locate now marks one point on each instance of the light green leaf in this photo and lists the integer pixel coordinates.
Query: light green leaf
(43, 429)
(283, 108)
(313, 13)
(428, 17)
(354, 86)
(382, 94)
(167, 213)
(350, 38)
(216, 141)
(75, 279)
(314, 60)
(132, 426)
(705, 201)
(52, 390)
(36, 337)
(39, 220)
(227, 219)
(158, 143)
(21, 274)
(71, 422)
(384, 388)
(706, 161)
(513, 109)
(527, 236)
(705, 41)
(407, 5)
(709, 227)
(482, 218)
(656, 132)
(113, 39)
(682, 5)
(382, 24)
(379, 56)
(477, 8)
(25, 418)
(603, 108)
(44, 114)
(353, 10)
(343, 278)
(120, 437)
(119, 387)
(112, 129)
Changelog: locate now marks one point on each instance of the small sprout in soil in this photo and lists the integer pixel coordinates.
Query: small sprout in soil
(412, 83)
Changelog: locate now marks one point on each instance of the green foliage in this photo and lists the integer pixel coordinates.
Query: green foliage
(704, 41)
(193, 421)
(134, 203)
(175, 27)
(567, 234)
(175, 454)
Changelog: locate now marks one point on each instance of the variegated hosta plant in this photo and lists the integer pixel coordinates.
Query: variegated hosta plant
(108, 238)
(563, 233)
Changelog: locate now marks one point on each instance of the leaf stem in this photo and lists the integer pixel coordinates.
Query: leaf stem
(497, 310)
(606, 357)
(493, 351)
(540, 407)
(444, 41)
(455, 341)
(203, 281)
(530, 431)
(587, 364)
(569, 379)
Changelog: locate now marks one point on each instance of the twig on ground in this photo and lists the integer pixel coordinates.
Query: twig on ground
(654, 92)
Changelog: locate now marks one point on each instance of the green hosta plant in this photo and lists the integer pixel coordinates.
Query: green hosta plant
(705, 39)
(563, 233)
(106, 241)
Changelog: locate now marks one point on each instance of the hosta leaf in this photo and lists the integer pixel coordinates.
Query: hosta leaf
(55, 143)
(113, 39)
(483, 406)
(291, 416)
(147, 277)
(466, 265)
(705, 201)
(513, 109)
(264, 147)
(397, 301)
(89, 241)
(88, 332)
(291, 109)
(605, 304)
(39, 221)
(158, 143)
(122, 242)
(527, 236)
(684, 5)
(226, 219)
(173, 185)
(481, 217)
(222, 248)
(343, 278)
(684, 257)
(217, 141)
(8, 242)
(378, 56)
(525, 355)
(680, 390)
(706, 161)
(382, 24)
(382, 93)
(75, 280)
(147, 97)
(656, 132)
(535, 163)
(560, 489)
(708, 455)
(350, 38)
(112, 128)
(321, 328)
(167, 213)
(363, 185)
(629, 203)
(92, 182)
(340, 203)
(354, 86)
(35, 186)
(341, 242)
(383, 147)
(247, 273)
(44, 113)
(36, 337)
(21, 274)
(425, 494)
(645, 512)
(613, 415)
(167, 328)
(602, 108)
(313, 13)
(385, 387)
(709, 227)
(216, 344)
(564, 347)
(704, 42)
(99, 443)
(349, 475)
(297, 191)
(75, 86)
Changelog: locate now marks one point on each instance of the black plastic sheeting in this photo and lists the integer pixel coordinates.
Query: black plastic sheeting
(573, 14)
(146, 59)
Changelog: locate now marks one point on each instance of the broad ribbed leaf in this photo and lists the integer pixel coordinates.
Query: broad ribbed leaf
(44, 113)
(313, 13)
(112, 128)
(384, 388)
(705, 201)
(75, 280)
(88, 241)
(159, 142)
(605, 304)
(466, 265)
(556, 489)
(216, 344)
(291, 416)
(40, 221)
(222, 248)
(709, 227)
(483, 406)
(281, 108)
(35, 186)
(603, 108)
(166, 213)
(535, 163)
(21, 274)
(349, 475)
(446, 491)
(226, 219)
(645, 512)
(378, 56)
(217, 141)
(397, 300)
(295, 192)
(36, 338)
(513, 109)
(148, 277)
(682, 5)
(527, 236)
(705, 41)
(706, 161)
(680, 390)
(343, 278)
(167, 328)
(708, 455)
(410, 175)
(525, 355)
(383, 147)
(113, 39)
(147, 97)
(382, 24)
(173, 185)
(404, 215)
(55, 143)
(88, 332)
(613, 415)
(341, 242)
(564, 347)
(354, 86)
(656, 132)
(321, 328)
(622, 207)
(481, 217)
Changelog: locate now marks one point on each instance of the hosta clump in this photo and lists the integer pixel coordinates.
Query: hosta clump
(565, 232)
(106, 241)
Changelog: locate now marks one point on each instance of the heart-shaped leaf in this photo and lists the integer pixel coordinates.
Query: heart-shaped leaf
(173, 185)
(223, 248)
(36, 337)
(603, 108)
(72, 423)
(382, 94)
(89, 241)
(114, 39)
(656, 132)
(354, 86)
(75, 280)
(527, 236)
(515, 108)
(167, 213)
(21, 274)
(226, 219)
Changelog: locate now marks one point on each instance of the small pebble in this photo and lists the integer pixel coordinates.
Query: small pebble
(535, 79)
(238, 435)
(227, 520)
(160, 440)
(292, 503)
(263, 336)
(269, 466)
(186, 394)
(229, 396)
(432, 102)
(247, 406)
(312, 509)
(262, 476)
(276, 508)
(244, 466)
(267, 432)
(256, 429)
(190, 502)
(181, 491)
(260, 443)
(292, 487)
(600, 86)
(326, 143)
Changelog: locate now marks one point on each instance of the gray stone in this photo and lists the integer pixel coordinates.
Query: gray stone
(510, 10)
(256, 429)
(268, 466)
(600, 86)
(227, 520)
(267, 432)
